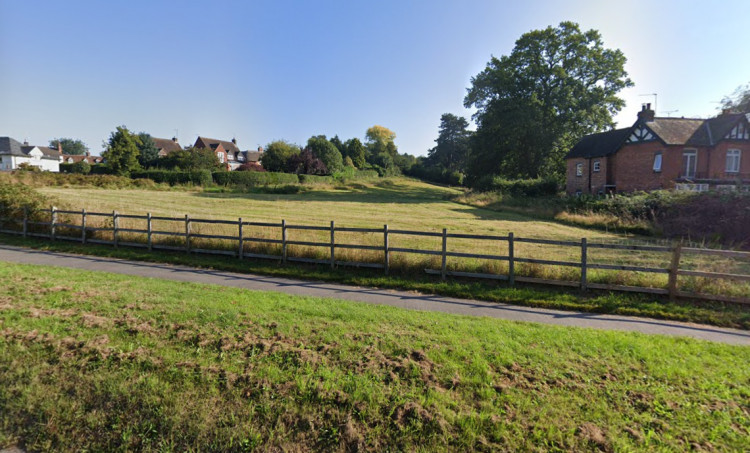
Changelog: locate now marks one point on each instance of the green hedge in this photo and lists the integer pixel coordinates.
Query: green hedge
(518, 187)
(315, 179)
(360, 175)
(253, 178)
(198, 177)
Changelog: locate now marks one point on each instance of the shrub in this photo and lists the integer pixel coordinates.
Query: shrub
(251, 166)
(14, 197)
(253, 178)
(316, 179)
(197, 177)
(100, 169)
(81, 167)
(29, 168)
(517, 187)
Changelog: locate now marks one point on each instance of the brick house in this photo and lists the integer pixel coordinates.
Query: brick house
(663, 153)
(73, 158)
(229, 153)
(166, 146)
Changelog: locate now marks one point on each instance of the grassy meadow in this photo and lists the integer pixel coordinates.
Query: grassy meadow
(151, 365)
(402, 204)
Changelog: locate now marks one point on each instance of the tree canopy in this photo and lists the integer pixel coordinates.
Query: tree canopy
(326, 152)
(381, 140)
(70, 146)
(277, 154)
(557, 85)
(739, 101)
(149, 153)
(122, 151)
(452, 143)
(192, 159)
(356, 151)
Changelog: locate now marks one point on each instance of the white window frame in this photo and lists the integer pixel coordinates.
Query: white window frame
(658, 160)
(579, 170)
(694, 154)
(597, 166)
(733, 157)
(221, 158)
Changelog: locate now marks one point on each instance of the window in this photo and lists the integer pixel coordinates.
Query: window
(689, 162)
(579, 169)
(733, 161)
(657, 162)
(221, 157)
(597, 165)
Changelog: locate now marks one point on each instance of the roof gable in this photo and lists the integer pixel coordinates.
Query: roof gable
(166, 145)
(214, 143)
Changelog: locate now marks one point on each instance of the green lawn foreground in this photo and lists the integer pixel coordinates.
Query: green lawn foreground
(96, 361)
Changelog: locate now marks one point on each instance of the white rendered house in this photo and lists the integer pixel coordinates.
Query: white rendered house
(14, 153)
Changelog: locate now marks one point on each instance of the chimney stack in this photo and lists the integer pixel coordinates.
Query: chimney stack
(174, 139)
(234, 140)
(59, 147)
(646, 114)
(25, 142)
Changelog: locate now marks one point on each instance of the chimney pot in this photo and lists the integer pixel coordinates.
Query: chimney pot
(646, 114)
(234, 140)
(174, 139)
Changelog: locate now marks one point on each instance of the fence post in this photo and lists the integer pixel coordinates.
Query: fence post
(445, 250)
(148, 231)
(333, 247)
(584, 258)
(187, 233)
(115, 226)
(283, 241)
(241, 250)
(511, 261)
(52, 222)
(25, 221)
(673, 268)
(386, 254)
(83, 226)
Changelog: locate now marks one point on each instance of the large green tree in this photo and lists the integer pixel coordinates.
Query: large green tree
(277, 154)
(149, 153)
(557, 85)
(326, 152)
(356, 151)
(121, 154)
(452, 143)
(192, 159)
(70, 146)
(380, 139)
(739, 101)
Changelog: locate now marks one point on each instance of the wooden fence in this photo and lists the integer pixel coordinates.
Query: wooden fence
(51, 229)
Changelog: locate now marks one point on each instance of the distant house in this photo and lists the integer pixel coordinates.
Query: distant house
(228, 152)
(663, 153)
(14, 153)
(73, 158)
(166, 146)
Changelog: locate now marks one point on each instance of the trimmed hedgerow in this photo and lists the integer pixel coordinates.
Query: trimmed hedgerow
(316, 179)
(197, 177)
(253, 178)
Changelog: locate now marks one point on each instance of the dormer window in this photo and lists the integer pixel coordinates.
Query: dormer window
(739, 132)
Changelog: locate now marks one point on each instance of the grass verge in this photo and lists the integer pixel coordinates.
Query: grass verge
(143, 364)
(705, 312)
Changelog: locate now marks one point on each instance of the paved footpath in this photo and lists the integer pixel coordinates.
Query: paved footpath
(403, 299)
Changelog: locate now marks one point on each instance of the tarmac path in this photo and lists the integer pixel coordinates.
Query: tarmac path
(403, 299)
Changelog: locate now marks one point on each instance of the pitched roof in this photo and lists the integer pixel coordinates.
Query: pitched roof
(10, 146)
(166, 145)
(47, 153)
(213, 143)
(674, 131)
(599, 145)
(252, 156)
(714, 129)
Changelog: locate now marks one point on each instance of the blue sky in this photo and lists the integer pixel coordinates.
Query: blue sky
(261, 71)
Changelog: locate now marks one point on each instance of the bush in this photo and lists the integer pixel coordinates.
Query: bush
(101, 169)
(197, 177)
(29, 168)
(81, 167)
(14, 197)
(316, 179)
(253, 178)
(517, 187)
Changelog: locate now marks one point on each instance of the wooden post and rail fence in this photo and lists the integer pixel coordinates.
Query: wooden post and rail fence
(51, 230)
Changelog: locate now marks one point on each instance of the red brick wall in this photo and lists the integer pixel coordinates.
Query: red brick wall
(634, 167)
(718, 160)
(599, 178)
(575, 183)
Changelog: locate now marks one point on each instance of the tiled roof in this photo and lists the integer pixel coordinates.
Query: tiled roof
(10, 146)
(80, 157)
(674, 131)
(599, 145)
(213, 143)
(166, 145)
(47, 153)
(714, 129)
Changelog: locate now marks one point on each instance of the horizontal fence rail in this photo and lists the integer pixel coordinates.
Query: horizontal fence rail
(179, 234)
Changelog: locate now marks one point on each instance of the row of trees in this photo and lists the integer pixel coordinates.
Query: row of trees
(323, 156)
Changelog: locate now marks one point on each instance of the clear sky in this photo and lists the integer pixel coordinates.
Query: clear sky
(266, 70)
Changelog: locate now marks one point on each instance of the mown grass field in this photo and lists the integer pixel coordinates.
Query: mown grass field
(94, 361)
(402, 204)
